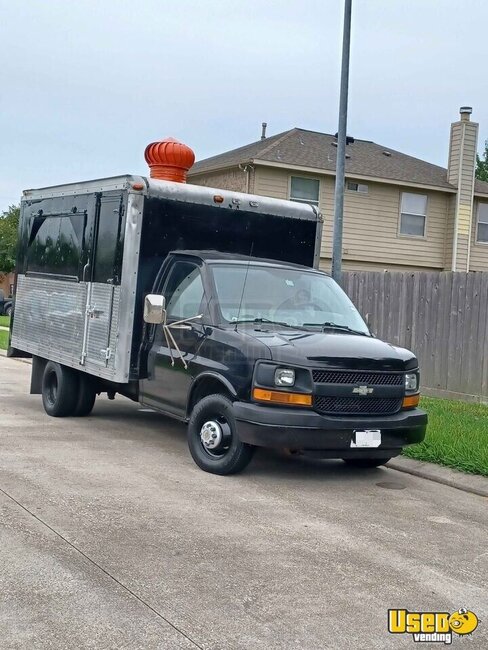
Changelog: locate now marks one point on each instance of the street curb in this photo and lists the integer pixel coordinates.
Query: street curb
(439, 474)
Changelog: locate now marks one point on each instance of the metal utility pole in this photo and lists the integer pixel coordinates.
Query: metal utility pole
(341, 147)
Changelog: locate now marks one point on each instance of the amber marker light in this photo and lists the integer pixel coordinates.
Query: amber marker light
(218, 198)
(137, 186)
(280, 397)
(411, 401)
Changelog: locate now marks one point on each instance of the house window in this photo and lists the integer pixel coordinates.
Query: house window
(304, 190)
(482, 222)
(413, 213)
(357, 187)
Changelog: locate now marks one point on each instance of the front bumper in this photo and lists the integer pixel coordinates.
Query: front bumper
(267, 426)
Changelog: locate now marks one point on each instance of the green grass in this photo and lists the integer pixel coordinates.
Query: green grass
(3, 339)
(5, 321)
(457, 436)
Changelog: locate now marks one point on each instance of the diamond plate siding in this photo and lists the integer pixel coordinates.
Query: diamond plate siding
(102, 324)
(49, 322)
(49, 317)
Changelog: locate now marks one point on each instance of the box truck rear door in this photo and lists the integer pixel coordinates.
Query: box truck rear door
(102, 274)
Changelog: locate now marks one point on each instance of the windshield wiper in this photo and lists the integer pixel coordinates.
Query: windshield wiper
(264, 320)
(337, 326)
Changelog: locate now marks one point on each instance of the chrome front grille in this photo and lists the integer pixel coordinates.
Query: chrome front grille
(357, 377)
(356, 405)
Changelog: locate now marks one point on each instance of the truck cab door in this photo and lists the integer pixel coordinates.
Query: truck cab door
(169, 382)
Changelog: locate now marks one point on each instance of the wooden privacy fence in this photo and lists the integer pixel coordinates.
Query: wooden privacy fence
(441, 316)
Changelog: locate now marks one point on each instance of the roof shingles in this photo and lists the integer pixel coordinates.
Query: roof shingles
(302, 148)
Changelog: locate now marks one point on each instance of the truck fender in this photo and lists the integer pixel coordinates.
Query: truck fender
(212, 379)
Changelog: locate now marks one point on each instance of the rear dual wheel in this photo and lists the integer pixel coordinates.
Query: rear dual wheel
(86, 396)
(66, 392)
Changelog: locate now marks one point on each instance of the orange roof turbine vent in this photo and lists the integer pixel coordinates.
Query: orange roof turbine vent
(169, 160)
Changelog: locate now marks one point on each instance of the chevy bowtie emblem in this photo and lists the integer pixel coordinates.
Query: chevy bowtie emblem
(362, 390)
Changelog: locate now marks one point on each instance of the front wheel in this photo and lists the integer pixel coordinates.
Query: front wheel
(212, 437)
(366, 462)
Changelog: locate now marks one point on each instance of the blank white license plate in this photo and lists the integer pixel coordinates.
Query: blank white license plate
(366, 438)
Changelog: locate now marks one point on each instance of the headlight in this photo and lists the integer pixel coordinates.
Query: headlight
(284, 377)
(411, 382)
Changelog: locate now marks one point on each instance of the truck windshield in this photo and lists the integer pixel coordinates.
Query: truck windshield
(290, 297)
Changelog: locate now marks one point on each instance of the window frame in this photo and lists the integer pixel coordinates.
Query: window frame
(61, 217)
(400, 213)
(166, 282)
(481, 242)
(306, 178)
(105, 206)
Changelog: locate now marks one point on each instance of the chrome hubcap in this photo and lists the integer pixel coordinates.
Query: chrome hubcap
(211, 434)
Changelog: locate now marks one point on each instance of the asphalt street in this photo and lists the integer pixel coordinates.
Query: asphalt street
(111, 537)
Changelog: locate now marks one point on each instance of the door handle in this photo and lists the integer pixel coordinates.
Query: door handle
(94, 313)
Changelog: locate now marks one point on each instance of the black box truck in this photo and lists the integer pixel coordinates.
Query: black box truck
(206, 305)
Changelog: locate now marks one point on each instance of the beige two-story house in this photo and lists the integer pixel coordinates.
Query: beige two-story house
(399, 213)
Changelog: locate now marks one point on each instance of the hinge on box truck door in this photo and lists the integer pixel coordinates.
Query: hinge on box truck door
(106, 353)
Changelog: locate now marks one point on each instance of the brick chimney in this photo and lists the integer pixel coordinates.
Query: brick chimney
(460, 173)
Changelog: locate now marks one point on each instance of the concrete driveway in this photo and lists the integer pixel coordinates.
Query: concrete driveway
(111, 537)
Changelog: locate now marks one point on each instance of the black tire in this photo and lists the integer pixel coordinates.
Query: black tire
(230, 455)
(59, 390)
(86, 396)
(366, 462)
(8, 310)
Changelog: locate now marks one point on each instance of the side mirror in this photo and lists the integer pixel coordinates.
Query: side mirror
(154, 309)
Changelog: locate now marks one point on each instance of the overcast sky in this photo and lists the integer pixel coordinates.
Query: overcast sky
(88, 83)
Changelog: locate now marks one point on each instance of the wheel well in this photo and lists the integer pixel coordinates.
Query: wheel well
(207, 386)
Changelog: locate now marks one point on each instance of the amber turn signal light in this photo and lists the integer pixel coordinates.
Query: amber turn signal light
(280, 397)
(410, 401)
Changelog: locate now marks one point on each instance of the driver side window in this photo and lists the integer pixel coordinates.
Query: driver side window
(184, 291)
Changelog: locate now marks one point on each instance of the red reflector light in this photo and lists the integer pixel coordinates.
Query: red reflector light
(137, 186)
(218, 198)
